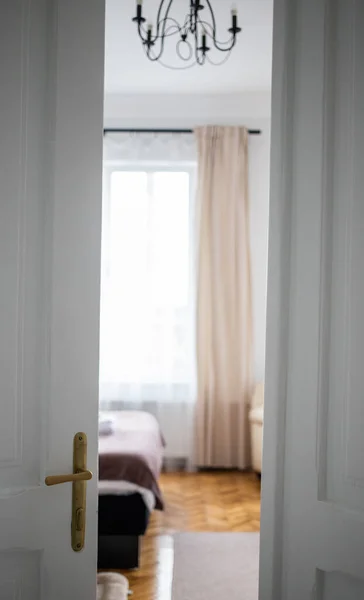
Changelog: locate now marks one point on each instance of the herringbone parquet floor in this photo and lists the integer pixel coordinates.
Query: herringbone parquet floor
(208, 501)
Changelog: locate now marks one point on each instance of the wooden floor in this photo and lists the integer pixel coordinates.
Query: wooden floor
(228, 501)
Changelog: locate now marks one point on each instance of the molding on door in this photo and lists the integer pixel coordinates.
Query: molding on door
(21, 578)
(327, 205)
(352, 478)
(345, 475)
(10, 589)
(52, 8)
(30, 173)
(15, 456)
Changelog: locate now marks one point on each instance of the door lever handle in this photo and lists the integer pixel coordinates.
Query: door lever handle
(78, 479)
(81, 475)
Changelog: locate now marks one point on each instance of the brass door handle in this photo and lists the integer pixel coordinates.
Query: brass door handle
(78, 479)
(81, 475)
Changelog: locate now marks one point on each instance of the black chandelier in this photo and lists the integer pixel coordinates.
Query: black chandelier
(193, 36)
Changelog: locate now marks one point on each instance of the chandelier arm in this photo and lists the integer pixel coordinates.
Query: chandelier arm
(195, 20)
(193, 64)
(157, 36)
(147, 50)
(163, 21)
(227, 49)
(159, 14)
(149, 47)
(188, 20)
(187, 24)
(175, 25)
(180, 55)
(215, 41)
(142, 32)
(207, 26)
(164, 35)
(212, 18)
(199, 60)
(226, 57)
(196, 44)
(149, 55)
(157, 57)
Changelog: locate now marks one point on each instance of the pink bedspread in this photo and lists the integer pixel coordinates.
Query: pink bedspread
(133, 452)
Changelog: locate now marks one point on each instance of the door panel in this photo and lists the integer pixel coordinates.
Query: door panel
(20, 575)
(335, 586)
(51, 118)
(345, 452)
(21, 157)
(318, 495)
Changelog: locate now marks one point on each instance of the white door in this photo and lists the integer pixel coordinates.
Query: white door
(51, 90)
(312, 537)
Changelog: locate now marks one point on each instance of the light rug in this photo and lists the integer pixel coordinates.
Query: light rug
(214, 566)
(112, 586)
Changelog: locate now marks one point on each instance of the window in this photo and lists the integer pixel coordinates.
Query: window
(147, 308)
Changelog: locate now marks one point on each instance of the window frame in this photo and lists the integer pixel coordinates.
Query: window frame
(111, 166)
(190, 167)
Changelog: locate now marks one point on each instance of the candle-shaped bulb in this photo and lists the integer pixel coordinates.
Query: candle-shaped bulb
(204, 48)
(234, 17)
(149, 33)
(139, 9)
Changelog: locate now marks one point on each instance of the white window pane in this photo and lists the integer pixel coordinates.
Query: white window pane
(128, 224)
(147, 312)
(170, 244)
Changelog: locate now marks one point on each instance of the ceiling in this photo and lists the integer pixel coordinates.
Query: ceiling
(128, 71)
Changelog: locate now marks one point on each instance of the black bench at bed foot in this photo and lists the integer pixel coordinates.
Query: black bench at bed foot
(118, 552)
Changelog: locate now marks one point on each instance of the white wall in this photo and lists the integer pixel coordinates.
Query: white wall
(187, 110)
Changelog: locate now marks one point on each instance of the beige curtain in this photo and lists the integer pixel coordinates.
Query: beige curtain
(224, 307)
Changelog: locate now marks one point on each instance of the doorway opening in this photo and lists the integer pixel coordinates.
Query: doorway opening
(183, 301)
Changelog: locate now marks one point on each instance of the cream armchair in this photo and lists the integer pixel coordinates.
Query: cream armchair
(256, 427)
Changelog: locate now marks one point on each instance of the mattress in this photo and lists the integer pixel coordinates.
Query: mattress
(130, 457)
(125, 488)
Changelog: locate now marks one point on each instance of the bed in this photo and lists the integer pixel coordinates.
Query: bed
(130, 461)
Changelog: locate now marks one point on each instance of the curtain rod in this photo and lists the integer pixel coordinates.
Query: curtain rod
(108, 130)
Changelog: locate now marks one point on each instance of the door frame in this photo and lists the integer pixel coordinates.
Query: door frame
(281, 229)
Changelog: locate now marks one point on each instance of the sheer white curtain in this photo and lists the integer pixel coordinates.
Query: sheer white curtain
(147, 330)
